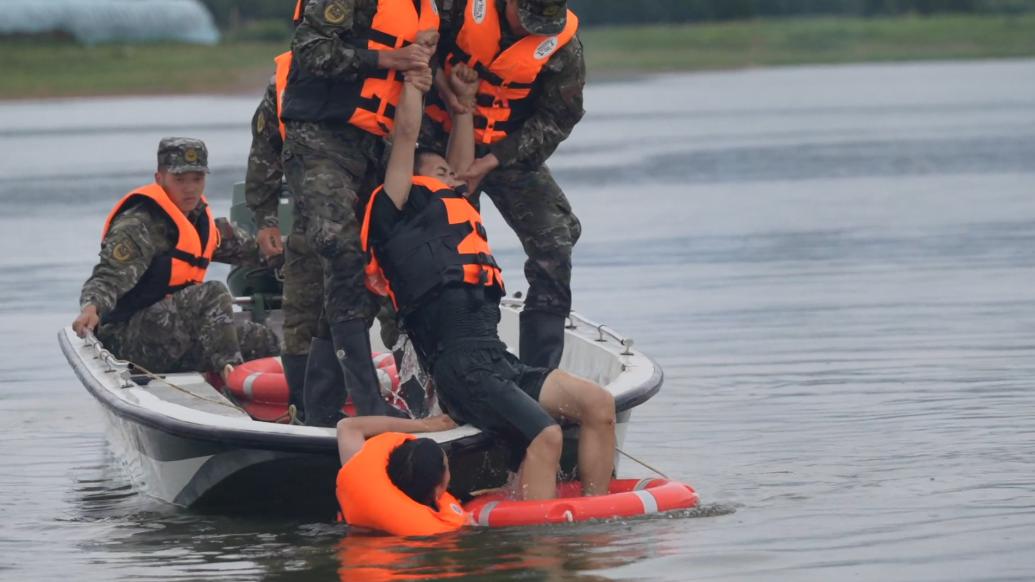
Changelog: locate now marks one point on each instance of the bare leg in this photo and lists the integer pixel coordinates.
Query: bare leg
(538, 472)
(568, 397)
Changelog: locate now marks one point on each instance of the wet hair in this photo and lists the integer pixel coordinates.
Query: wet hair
(416, 467)
(419, 155)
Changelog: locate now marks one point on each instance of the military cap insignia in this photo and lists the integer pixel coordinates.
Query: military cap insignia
(260, 123)
(122, 252)
(334, 13)
(551, 11)
(190, 155)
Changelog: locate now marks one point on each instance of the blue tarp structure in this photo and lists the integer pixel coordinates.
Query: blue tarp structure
(96, 21)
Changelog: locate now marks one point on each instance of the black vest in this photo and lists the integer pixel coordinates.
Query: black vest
(426, 251)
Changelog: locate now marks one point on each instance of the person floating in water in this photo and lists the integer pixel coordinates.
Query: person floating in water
(395, 482)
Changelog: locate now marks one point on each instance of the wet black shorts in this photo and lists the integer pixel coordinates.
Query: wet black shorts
(486, 386)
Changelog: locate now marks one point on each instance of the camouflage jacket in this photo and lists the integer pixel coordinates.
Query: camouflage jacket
(136, 236)
(323, 43)
(263, 179)
(556, 98)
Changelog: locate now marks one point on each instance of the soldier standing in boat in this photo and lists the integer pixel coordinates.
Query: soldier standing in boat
(347, 57)
(532, 74)
(146, 299)
(263, 188)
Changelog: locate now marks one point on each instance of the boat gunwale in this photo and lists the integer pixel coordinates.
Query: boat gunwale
(285, 442)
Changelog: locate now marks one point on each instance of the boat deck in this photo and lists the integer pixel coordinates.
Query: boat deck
(191, 391)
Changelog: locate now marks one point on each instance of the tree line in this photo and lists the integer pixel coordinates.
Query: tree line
(233, 14)
(660, 11)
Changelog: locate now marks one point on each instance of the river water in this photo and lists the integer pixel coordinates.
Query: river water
(834, 265)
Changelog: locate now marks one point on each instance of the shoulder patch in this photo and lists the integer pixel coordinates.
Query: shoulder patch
(260, 122)
(124, 251)
(334, 13)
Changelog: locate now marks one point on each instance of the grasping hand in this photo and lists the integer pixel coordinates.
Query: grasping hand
(419, 78)
(407, 58)
(464, 83)
(428, 38)
(269, 241)
(478, 170)
(437, 423)
(447, 95)
(87, 321)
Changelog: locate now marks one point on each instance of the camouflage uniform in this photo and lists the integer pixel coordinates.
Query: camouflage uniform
(302, 271)
(263, 179)
(522, 187)
(190, 330)
(331, 167)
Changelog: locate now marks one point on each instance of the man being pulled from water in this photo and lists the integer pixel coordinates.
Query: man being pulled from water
(146, 298)
(430, 254)
(394, 482)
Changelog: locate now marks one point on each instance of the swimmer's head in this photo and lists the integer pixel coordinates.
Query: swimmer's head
(419, 468)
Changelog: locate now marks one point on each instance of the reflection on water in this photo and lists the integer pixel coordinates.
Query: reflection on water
(833, 265)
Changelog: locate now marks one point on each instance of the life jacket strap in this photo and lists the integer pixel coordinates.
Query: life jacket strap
(200, 262)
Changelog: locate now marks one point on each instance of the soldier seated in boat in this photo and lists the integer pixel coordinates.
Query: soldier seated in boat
(146, 299)
(429, 253)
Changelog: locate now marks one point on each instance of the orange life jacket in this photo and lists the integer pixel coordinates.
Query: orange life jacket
(283, 62)
(368, 498)
(452, 243)
(368, 103)
(507, 77)
(181, 267)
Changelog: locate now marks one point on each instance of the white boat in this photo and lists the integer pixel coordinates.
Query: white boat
(185, 443)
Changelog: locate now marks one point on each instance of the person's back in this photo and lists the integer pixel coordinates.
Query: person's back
(456, 312)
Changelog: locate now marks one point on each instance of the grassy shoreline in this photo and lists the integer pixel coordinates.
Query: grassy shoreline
(43, 70)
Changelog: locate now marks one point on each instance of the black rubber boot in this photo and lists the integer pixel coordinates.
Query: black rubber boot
(352, 349)
(542, 339)
(294, 372)
(324, 393)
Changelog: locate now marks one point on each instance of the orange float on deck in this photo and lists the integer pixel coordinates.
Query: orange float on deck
(626, 498)
(261, 387)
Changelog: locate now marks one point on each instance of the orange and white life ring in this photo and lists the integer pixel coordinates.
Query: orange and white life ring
(261, 387)
(625, 498)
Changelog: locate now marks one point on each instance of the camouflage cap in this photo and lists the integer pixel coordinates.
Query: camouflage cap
(182, 154)
(543, 16)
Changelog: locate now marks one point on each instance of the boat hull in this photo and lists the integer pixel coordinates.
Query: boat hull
(184, 443)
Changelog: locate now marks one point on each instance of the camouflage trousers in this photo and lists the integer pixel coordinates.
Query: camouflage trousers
(192, 330)
(303, 300)
(331, 170)
(303, 295)
(536, 209)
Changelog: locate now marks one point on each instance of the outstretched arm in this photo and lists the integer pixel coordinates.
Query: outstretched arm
(399, 174)
(460, 153)
(354, 431)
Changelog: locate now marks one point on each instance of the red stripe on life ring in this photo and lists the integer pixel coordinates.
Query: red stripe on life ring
(626, 498)
(261, 387)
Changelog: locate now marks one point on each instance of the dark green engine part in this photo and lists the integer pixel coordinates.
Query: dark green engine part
(263, 285)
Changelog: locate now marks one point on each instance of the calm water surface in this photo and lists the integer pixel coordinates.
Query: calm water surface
(835, 267)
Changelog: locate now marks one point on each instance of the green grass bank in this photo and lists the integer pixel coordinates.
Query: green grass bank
(60, 69)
